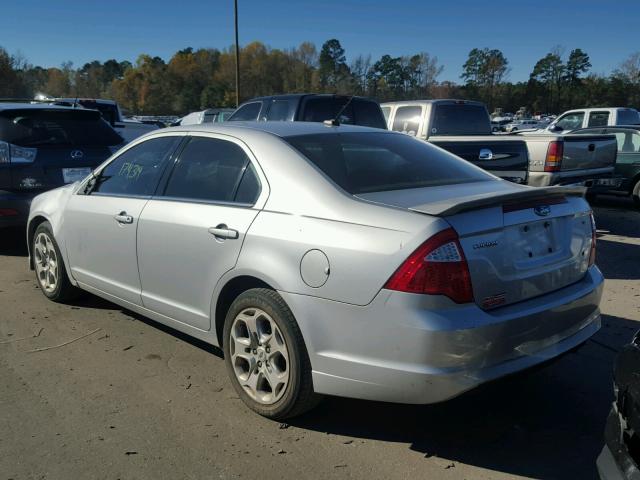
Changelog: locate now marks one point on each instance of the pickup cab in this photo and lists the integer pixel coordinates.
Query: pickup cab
(594, 117)
(310, 107)
(463, 127)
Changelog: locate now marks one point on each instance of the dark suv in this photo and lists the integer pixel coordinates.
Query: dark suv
(44, 147)
(305, 107)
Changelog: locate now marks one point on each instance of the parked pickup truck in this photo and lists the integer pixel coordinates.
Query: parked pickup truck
(463, 127)
(128, 128)
(594, 117)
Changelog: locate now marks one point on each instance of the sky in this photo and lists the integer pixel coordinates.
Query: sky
(50, 32)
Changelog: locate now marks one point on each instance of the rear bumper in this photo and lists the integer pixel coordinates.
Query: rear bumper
(397, 350)
(614, 462)
(14, 208)
(572, 177)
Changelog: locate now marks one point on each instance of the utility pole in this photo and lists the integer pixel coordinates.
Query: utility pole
(235, 12)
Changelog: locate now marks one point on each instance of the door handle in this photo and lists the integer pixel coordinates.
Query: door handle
(122, 217)
(221, 231)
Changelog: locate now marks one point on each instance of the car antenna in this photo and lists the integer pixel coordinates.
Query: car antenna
(335, 122)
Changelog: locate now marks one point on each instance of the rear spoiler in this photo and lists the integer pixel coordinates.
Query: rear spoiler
(475, 202)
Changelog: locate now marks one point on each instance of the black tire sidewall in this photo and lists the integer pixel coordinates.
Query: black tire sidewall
(282, 316)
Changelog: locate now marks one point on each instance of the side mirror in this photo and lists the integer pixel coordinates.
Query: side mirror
(556, 128)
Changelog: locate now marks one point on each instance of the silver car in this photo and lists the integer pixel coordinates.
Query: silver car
(335, 260)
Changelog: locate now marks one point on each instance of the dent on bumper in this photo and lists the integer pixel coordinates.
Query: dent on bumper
(396, 350)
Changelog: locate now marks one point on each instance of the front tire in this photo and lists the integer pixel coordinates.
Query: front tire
(51, 274)
(265, 356)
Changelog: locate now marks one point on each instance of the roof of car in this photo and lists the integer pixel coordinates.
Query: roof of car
(299, 95)
(33, 106)
(280, 129)
(432, 100)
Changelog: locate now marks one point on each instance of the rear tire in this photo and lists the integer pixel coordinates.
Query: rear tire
(51, 274)
(265, 355)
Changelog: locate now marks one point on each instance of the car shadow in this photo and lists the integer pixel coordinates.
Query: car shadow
(623, 259)
(13, 242)
(546, 423)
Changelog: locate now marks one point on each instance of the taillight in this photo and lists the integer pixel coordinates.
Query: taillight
(555, 152)
(437, 267)
(592, 252)
(15, 154)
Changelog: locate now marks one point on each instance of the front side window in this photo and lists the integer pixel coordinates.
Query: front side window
(374, 162)
(138, 170)
(248, 112)
(571, 121)
(598, 119)
(213, 170)
(407, 120)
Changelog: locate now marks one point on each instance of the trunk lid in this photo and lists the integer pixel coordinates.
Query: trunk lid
(519, 242)
(583, 152)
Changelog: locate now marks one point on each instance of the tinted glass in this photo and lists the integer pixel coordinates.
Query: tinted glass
(320, 109)
(368, 114)
(371, 162)
(386, 111)
(208, 169)
(460, 119)
(407, 120)
(138, 170)
(628, 117)
(571, 121)
(248, 112)
(279, 110)
(34, 127)
(249, 188)
(628, 141)
(598, 119)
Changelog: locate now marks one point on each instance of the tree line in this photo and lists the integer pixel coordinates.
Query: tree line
(196, 79)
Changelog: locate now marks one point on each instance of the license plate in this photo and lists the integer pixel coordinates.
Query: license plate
(70, 175)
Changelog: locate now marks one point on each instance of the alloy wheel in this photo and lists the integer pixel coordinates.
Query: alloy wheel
(46, 262)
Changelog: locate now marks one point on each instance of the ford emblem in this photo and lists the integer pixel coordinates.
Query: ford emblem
(76, 154)
(542, 210)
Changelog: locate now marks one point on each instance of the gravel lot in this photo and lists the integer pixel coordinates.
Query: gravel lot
(137, 400)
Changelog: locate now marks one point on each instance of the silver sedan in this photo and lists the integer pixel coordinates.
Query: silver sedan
(327, 259)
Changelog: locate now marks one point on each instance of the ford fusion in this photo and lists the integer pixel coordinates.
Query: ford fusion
(337, 260)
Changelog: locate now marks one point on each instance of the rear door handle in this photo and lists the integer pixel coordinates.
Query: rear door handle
(221, 231)
(122, 217)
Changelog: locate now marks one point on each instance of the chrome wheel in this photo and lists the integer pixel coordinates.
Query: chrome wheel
(259, 355)
(46, 262)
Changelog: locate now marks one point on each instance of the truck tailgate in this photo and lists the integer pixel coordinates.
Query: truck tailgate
(582, 152)
(507, 159)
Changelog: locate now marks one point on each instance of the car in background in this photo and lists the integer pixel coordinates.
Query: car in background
(128, 128)
(43, 147)
(594, 117)
(304, 107)
(527, 124)
(327, 259)
(210, 115)
(620, 457)
(500, 125)
(627, 168)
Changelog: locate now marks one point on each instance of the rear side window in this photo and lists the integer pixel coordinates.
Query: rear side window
(628, 116)
(248, 112)
(138, 170)
(213, 170)
(279, 110)
(407, 120)
(598, 119)
(571, 121)
(34, 127)
(373, 162)
(460, 119)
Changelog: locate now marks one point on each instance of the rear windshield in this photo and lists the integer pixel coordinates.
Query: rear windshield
(628, 117)
(34, 127)
(358, 112)
(375, 162)
(460, 119)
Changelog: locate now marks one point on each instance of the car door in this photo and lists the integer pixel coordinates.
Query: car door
(191, 232)
(101, 220)
(628, 159)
